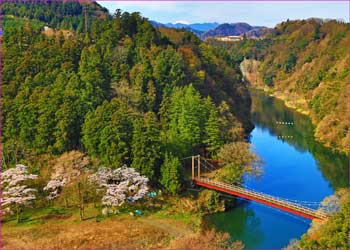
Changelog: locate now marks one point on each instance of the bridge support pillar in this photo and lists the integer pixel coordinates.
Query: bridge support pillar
(199, 165)
(192, 167)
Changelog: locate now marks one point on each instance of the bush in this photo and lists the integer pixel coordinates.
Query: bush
(208, 240)
(268, 79)
(209, 202)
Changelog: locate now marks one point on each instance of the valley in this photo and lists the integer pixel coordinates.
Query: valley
(103, 113)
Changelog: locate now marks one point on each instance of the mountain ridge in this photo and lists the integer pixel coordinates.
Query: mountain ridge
(200, 27)
(235, 29)
(213, 29)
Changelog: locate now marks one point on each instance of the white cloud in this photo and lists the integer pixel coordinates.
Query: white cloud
(181, 21)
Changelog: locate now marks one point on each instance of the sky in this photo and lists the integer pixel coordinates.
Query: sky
(255, 13)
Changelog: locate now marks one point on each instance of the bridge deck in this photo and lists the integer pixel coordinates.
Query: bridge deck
(261, 197)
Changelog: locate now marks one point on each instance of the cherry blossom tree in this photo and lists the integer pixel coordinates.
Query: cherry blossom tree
(120, 185)
(15, 194)
(54, 187)
(67, 168)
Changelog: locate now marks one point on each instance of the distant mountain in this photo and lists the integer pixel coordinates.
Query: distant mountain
(156, 24)
(194, 26)
(235, 29)
(257, 32)
(197, 28)
(204, 30)
(204, 26)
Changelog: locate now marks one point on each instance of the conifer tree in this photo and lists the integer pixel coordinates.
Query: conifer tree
(187, 119)
(171, 174)
(146, 145)
(212, 130)
(115, 140)
(95, 122)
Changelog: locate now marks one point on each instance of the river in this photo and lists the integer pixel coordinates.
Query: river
(296, 167)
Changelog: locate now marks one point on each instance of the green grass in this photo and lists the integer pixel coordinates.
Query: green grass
(61, 215)
(195, 220)
(70, 215)
(32, 217)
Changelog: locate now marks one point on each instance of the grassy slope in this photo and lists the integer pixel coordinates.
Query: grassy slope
(57, 228)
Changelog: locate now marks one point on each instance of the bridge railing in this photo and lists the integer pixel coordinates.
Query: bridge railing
(265, 197)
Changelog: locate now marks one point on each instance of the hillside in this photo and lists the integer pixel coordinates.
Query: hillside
(117, 95)
(56, 87)
(306, 63)
(68, 15)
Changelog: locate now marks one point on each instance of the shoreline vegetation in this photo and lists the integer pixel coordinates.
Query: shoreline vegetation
(114, 98)
(249, 69)
(305, 63)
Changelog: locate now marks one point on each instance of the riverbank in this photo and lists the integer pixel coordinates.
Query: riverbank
(251, 73)
(292, 101)
(325, 132)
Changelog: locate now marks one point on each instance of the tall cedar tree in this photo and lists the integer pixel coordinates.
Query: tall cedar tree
(171, 173)
(187, 119)
(115, 140)
(95, 122)
(146, 145)
(213, 138)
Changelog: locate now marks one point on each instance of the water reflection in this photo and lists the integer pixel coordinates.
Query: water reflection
(241, 223)
(258, 226)
(266, 111)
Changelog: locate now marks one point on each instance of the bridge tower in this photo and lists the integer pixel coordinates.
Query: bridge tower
(194, 163)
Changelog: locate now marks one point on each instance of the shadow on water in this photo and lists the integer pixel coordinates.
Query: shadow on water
(255, 225)
(240, 222)
(269, 112)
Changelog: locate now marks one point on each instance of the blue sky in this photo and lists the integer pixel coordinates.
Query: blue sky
(254, 13)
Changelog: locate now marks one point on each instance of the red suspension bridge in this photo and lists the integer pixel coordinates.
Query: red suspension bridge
(198, 178)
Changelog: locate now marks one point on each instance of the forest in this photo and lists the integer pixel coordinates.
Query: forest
(57, 87)
(100, 113)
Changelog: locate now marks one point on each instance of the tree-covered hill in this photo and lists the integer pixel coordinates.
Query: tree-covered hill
(307, 63)
(124, 92)
(64, 15)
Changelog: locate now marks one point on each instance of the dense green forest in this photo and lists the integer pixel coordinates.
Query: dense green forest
(69, 15)
(119, 91)
(87, 95)
(98, 93)
(307, 62)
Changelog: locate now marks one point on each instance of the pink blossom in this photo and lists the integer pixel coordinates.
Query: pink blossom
(14, 192)
(120, 185)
